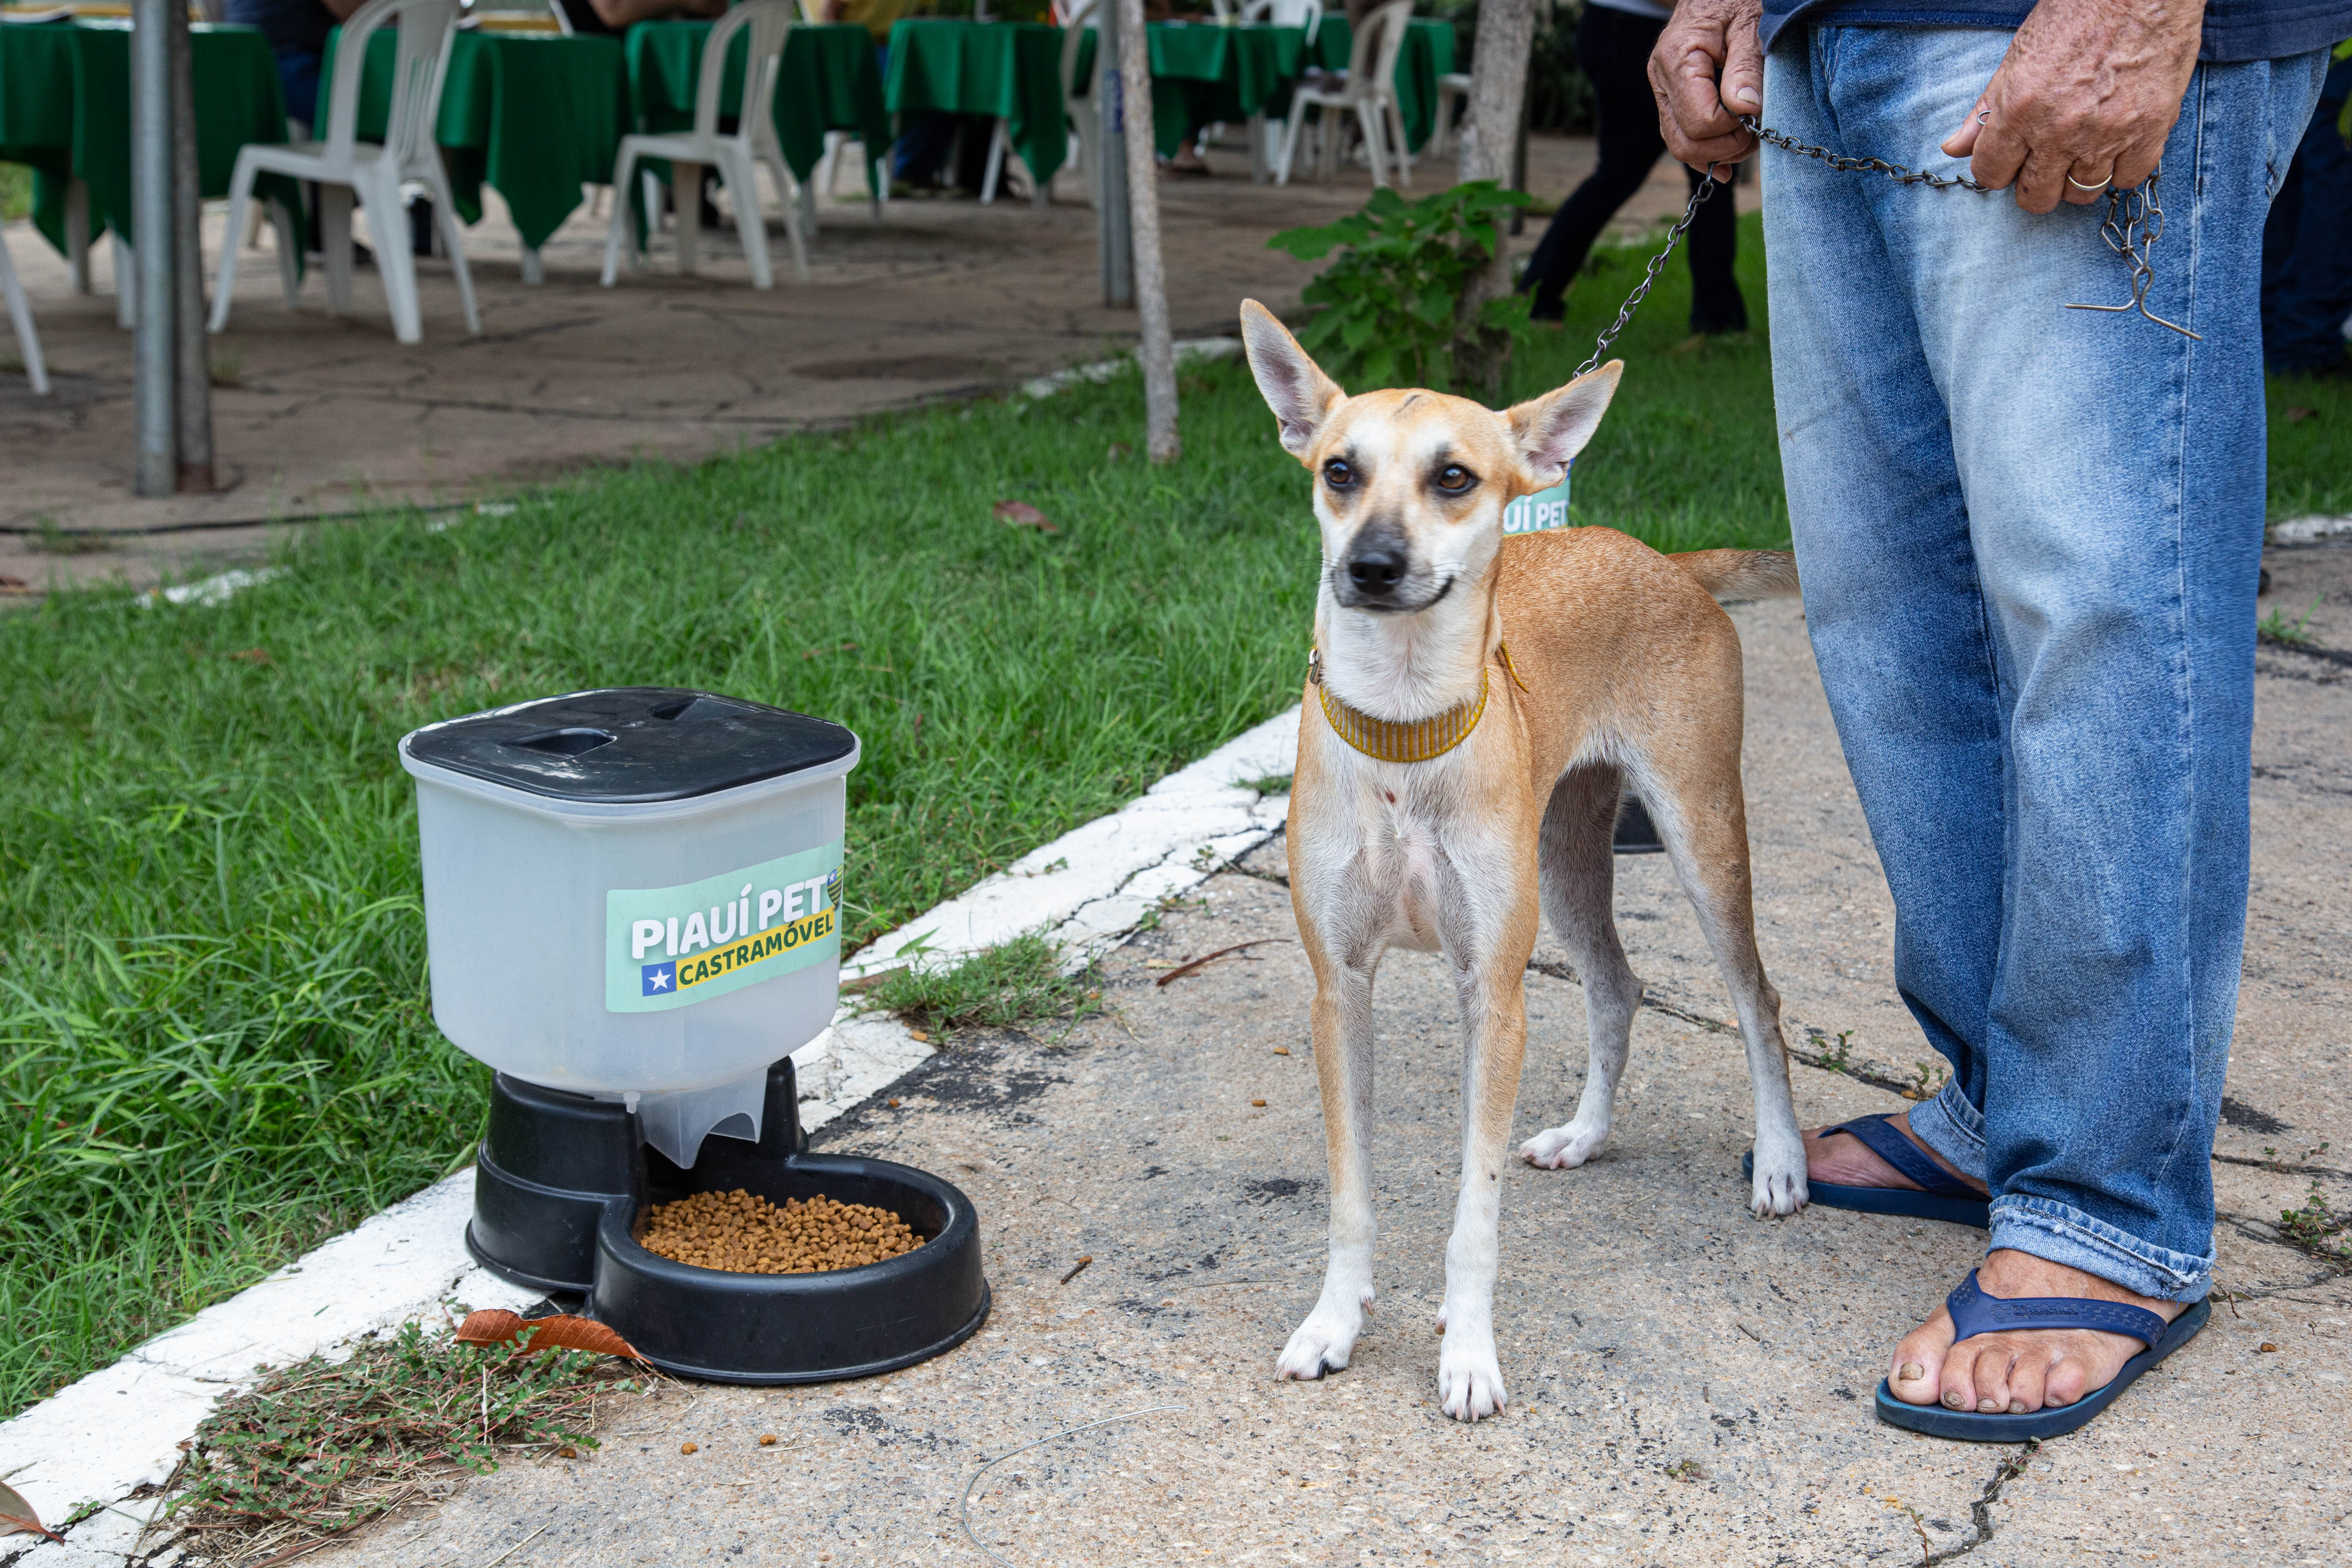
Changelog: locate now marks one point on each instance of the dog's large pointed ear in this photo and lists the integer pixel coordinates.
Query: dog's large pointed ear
(1293, 384)
(1553, 429)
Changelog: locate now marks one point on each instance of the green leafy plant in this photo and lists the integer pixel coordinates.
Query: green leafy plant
(1389, 305)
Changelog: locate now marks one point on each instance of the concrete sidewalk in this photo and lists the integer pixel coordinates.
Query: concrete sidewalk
(1689, 1385)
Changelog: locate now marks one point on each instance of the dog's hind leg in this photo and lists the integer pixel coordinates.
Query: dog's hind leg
(1577, 873)
(1343, 1067)
(1701, 815)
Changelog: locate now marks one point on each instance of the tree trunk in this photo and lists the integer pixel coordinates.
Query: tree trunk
(1498, 87)
(1161, 440)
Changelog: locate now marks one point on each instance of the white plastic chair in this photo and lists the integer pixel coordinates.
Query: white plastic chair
(1451, 89)
(563, 18)
(20, 315)
(1085, 111)
(736, 157)
(1368, 88)
(344, 167)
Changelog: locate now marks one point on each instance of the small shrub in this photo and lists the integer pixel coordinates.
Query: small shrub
(1391, 303)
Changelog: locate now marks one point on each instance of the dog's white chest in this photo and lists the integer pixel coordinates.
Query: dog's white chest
(1404, 860)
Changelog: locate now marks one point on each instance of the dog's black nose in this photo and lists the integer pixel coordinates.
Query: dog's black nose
(1377, 566)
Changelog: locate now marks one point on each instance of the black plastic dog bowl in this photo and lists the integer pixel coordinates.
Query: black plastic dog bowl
(560, 1197)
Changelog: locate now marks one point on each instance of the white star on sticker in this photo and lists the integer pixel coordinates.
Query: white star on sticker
(661, 978)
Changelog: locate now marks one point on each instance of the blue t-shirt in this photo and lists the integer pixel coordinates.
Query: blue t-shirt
(2234, 30)
(296, 26)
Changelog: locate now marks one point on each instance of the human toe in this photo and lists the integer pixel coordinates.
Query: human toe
(2028, 1384)
(1915, 1376)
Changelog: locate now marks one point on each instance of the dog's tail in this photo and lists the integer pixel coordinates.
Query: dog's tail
(1735, 575)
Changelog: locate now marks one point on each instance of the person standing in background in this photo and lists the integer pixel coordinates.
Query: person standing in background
(2307, 247)
(296, 31)
(1613, 44)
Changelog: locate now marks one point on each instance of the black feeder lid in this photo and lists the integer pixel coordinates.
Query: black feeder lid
(632, 744)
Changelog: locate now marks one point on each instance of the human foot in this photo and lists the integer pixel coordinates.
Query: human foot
(2023, 1369)
(1845, 1161)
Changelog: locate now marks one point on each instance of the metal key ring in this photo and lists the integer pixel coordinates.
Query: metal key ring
(2079, 185)
(1983, 115)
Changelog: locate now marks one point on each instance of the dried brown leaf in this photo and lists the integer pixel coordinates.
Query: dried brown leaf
(17, 1518)
(1023, 515)
(491, 1326)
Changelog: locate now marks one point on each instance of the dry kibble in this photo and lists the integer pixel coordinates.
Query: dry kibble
(1282, 1050)
(2268, 1346)
(741, 1233)
(567, 1452)
(685, 1448)
(767, 1439)
(1257, 1103)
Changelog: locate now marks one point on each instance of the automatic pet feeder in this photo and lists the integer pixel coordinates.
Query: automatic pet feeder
(630, 906)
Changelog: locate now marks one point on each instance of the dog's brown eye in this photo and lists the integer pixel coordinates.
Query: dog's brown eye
(1338, 474)
(1455, 478)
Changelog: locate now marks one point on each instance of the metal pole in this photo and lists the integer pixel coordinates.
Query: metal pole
(1113, 241)
(195, 356)
(1161, 440)
(156, 455)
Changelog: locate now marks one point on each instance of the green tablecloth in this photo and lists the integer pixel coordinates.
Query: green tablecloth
(829, 81)
(65, 110)
(534, 115)
(1203, 74)
(1427, 54)
(1011, 70)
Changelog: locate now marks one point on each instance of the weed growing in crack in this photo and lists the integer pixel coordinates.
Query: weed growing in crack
(1927, 1077)
(1000, 987)
(2319, 1229)
(319, 1449)
(2276, 628)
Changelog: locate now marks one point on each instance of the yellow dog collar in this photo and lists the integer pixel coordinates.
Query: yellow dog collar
(1418, 741)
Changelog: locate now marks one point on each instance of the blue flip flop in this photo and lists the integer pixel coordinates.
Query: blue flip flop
(1943, 1197)
(1975, 1312)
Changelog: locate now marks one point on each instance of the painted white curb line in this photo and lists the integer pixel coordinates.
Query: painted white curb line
(116, 1431)
(2310, 530)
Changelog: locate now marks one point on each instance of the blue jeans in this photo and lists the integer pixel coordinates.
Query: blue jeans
(2028, 538)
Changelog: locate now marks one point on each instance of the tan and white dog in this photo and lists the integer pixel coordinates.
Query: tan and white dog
(1528, 679)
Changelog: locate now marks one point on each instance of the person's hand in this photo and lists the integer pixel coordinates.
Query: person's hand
(2087, 92)
(711, 9)
(1708, 39)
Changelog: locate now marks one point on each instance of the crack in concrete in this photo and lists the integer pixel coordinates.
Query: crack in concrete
(1980, 1510)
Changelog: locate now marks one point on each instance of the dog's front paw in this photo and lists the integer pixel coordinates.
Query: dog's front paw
(1564, 1148)
(1780, 1186)
(1323, 1343)
(1469, 1380)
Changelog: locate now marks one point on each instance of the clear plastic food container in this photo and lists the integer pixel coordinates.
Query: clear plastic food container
(635, 892)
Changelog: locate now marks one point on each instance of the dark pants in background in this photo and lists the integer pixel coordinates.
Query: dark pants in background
(1613, 47)
(2307, 247)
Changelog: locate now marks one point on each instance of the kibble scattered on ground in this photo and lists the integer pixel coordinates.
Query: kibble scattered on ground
(743, 1233)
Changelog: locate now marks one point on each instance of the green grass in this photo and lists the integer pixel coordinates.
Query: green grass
(15, 190)
(215, 1047)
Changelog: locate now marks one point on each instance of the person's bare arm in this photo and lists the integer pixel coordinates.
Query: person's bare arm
(342, 9)
(2090, 89)
(619, 14)
(1707, 42)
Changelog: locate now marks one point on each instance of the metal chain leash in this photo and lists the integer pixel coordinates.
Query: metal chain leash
(2134, 223)
(1706, 188)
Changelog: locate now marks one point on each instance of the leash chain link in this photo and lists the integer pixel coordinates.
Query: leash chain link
(2134, 223)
